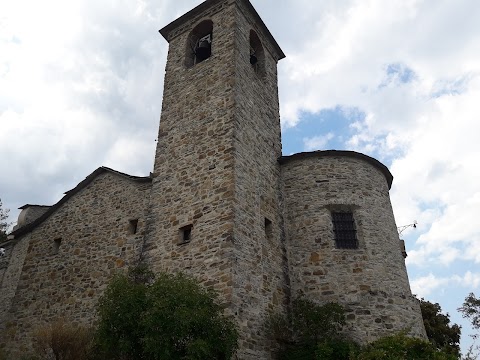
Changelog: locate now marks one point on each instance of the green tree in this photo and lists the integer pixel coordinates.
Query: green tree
(4, 224)
(471, 310)
(169, 318)
(440, 332)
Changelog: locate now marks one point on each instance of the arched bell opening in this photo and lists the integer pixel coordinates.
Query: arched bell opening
(257, 54)
(199, 43)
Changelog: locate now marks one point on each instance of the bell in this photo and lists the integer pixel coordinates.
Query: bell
(253, 59)
(203, 51)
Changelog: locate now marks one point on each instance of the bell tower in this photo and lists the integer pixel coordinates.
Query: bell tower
(215, 203)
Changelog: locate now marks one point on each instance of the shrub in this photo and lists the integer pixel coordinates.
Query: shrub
(401, 346)
(336, 348)
(169, 318)
(311, 331)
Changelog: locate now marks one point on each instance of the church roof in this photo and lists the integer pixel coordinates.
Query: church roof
(165, 31)
(347, 153)
(83, 184)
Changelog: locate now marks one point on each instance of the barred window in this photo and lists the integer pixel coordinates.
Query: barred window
(344, 229)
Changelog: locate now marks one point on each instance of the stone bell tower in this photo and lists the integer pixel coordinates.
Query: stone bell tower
(215, 202)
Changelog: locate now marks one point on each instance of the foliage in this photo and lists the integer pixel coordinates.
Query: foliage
(171, 317)
(3, 222)
(471, 310)
(314, 332)
(440, 332)
(311, 331)
(62, 341)
(472, 353)
(336, 348)
(401, 346)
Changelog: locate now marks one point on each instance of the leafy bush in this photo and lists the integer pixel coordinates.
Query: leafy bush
(336, 348)
(402, 347)
(169, 318)
(311, 331)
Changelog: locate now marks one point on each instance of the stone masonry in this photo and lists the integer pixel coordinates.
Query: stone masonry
(60, 269)
(222, 204)
(370, 281)
(220, 121)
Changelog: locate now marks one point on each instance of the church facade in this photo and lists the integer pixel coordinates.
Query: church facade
(222, 204)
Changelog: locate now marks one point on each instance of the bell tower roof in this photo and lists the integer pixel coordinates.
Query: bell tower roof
(168, 31)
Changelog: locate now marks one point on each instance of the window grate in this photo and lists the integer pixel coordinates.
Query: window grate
(344, 229)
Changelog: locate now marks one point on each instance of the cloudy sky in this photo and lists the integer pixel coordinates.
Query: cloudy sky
(81, 86)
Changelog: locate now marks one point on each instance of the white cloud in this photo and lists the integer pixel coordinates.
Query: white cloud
(317, 142)
(80, 87)
(426, 285)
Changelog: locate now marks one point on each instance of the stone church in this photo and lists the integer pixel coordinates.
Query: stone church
(222, 204)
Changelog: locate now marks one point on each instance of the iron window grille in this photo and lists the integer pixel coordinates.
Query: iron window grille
(344, 229)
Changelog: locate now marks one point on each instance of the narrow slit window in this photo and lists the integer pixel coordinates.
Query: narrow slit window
(133, 226)
(268, 229)
(56, 245)
(345, 231)
(185, 234)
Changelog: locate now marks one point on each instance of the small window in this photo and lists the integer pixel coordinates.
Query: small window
(268, 229)
(344, 229)
(185, 234)
(199, 43)
(56, 245)
(133, 226)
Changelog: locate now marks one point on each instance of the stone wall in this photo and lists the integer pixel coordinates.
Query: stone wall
(371, 281)
(10, 270)
(193, 172)
(260, 282)
(70, 257)
(216, 170)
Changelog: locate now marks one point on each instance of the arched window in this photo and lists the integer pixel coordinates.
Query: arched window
(257, 54)
(199, 43)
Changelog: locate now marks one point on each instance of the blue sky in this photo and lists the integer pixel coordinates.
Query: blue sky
(81, 86)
